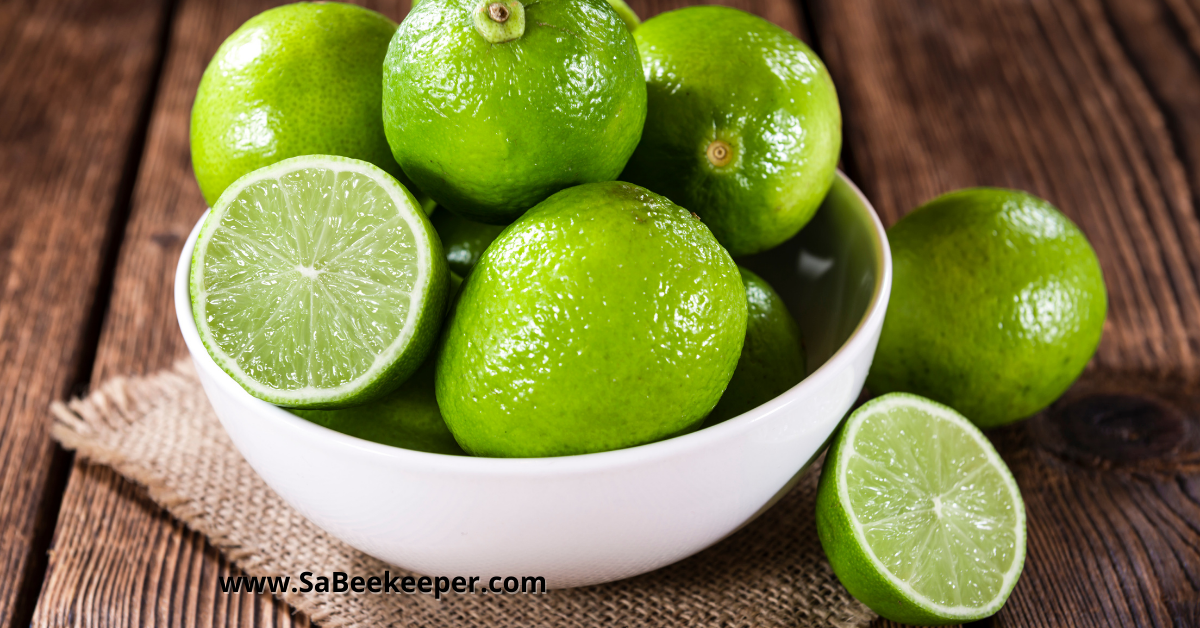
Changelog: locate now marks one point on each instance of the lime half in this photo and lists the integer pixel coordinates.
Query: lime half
(318, 282)
(918, 514)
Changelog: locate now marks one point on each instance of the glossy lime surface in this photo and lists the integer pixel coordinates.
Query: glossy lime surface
(463, 240)
(300, 79)
(407, 418)
(606, 317)
(491, 129)
(627, 15)
(742, 125)
(772, 359)
(997, 304)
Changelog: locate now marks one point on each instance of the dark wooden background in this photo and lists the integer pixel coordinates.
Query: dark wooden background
(1093, 104)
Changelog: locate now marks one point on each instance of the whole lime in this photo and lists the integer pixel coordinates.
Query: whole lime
(997, 304)
(490, 107)
(742, 125)
(407, 418)
(772, 359)
(463, 240)
(300, 79)
(606, 317)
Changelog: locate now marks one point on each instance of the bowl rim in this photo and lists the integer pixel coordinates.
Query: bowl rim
(581, 463)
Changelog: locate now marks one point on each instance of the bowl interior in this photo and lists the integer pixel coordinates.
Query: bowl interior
(830, 274)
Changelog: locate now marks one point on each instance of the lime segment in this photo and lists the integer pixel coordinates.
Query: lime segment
(919, 515)
(318, 282)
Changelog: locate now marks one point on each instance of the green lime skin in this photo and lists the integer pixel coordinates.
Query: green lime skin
(998, 303)
(491, 129)
(605, 317)
(742, 127)
(627, 15)
(300, 79)
(463, 240)
(407, 418)
(773, 358)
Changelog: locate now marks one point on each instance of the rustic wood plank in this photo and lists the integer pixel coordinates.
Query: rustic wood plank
(1091, 104)
(119, 560)
(76, 79)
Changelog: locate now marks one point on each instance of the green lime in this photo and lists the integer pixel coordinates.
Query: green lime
(605, 317)
(627, 15)
(463, 240)
(772, 359)
(918, 514)
(318, 282)
(300, 79)
(742, 124)
(493, 106)
(997, 305)
(407, 417)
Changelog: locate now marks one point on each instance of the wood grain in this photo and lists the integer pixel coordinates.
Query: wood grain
(117, 559)
(1089, 103)
(1091, 106)
(76, 78)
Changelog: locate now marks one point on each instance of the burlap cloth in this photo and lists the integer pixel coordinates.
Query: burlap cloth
(161, 432)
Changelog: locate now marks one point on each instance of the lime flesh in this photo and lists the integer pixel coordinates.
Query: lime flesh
(318, 282)
(605, 317)
(920, 517)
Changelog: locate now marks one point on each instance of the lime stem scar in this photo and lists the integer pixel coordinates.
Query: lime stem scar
(499, 21)
(719, 153)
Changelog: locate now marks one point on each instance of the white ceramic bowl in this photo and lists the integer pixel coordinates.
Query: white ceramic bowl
(594, 518)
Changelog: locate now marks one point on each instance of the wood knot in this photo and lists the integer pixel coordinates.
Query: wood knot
(1118, 429)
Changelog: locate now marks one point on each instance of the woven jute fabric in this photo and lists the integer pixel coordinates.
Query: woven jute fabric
(161, 432)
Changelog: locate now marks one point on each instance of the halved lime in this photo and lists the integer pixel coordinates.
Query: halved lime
(318, 282)
(918, 514)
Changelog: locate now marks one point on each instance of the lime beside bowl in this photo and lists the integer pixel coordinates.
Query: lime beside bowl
(593, 518)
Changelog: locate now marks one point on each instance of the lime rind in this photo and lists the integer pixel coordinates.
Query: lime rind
(397, 349)
(869, 576)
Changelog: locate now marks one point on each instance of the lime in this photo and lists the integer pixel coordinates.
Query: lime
(407, 417)
(463, 240)
(318, 282)
(493, 106)
(772, 359)
(300, 79)
(742, 124)
(997, 305)
(627, 15)
(918, 514)
(605, 317)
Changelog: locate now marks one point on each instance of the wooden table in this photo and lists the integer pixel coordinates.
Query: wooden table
(1093, 104)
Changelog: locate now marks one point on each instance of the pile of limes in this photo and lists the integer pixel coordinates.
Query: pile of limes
(356, 167)
(508, 228)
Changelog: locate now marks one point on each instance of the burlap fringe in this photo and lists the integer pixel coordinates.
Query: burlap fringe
(160, 432)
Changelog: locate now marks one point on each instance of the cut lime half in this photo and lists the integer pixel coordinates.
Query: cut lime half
(318, 282)
(918, 514)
